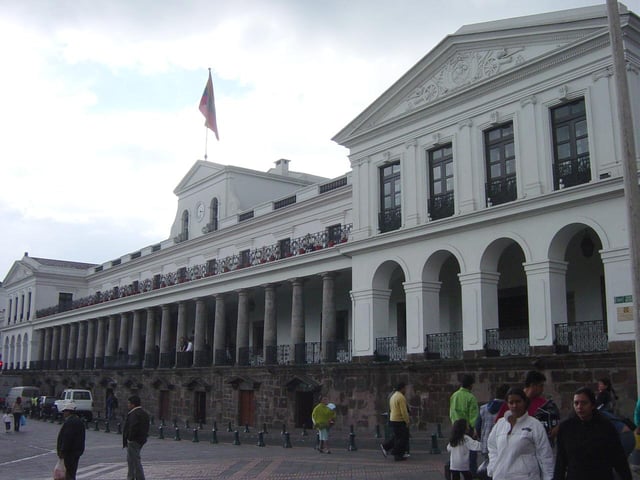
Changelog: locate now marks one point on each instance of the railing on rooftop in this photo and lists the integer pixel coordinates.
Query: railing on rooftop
(310, 242)
(327, 187)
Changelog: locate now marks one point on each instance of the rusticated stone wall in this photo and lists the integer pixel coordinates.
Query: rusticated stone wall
(360, 390)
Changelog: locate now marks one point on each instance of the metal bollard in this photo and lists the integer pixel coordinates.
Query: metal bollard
(287, 440)
(177, 435)
(435, 450)
(246, 428)
(261, 439)
(86, 423)
(97, 425)
(195, 436)
(107, 427)
(236, 438)
(439, 430)
(214, 434)
(264, 428)
(378, 432)
(160, 432)
(119, 425)
(304, 431)
(229, 429)
(352, 440)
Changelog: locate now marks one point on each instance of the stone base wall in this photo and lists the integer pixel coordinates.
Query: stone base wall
(360, 390)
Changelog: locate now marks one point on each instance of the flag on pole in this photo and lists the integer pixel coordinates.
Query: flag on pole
(208, 107)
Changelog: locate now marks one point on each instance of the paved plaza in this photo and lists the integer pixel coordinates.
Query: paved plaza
(29, 455)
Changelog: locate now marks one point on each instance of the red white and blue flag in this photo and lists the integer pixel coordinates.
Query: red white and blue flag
(208, 107)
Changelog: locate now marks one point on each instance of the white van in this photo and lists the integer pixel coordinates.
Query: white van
(82, 398)
(27, 393)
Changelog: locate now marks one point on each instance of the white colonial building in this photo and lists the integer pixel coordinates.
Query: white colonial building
(484, 216)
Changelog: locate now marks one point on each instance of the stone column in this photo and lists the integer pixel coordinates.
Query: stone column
(82, 344)
(329, 347)
(371, 319)
(46, 360)
(242, 332)
(37, 349)
(166, 352)
(89, 354)
(112, 335)
(220, 333)
(298, 347)
(150, 356)
(181, 334)
(123, 340)
(479, 292)
(202, 356)
(547, 299)
(102, 327)
(136, 339)
(270, 326)
(416, 298)
(73, 345)
(63, 352)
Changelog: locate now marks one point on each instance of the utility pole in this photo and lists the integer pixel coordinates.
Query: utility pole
(630, 169)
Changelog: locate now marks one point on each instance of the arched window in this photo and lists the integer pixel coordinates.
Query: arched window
(213, 220)
(185, 225)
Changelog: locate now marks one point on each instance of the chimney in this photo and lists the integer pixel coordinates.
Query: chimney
(282, 167)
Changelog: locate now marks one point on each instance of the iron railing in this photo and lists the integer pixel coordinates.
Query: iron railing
(501, 190)
(441, 206)
(444, 345)
(390, 219)
(388, 349)
(507, 342)
(581, 337)
(571, 172)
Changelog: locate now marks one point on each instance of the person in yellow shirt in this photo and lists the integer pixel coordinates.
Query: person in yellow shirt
(323, 417)
(399, 423)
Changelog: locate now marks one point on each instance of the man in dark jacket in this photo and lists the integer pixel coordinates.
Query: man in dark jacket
(589, 447)
(134, 436)
(70, 444)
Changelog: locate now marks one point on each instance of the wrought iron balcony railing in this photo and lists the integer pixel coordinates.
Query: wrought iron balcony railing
(444, 345)
(572, 172)
(501, 190)
(441, 206)
(389, 350)
(310, 242)
(581, 337)
(390, 219)
(507, 342)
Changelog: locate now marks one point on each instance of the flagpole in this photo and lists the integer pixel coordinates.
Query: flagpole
(206, 139)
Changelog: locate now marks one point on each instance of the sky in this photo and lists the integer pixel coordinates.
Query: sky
(99, 117)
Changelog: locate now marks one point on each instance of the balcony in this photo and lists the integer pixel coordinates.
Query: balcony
(504, 342)
(501, 190)
(390, 219)
(581, 337)
(388, 349)
(441, 206)
(443, 346)
(572, 172)
(310, 242)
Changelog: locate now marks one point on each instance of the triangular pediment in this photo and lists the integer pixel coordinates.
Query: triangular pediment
(18, 271)
(474, 56)
(201, 170)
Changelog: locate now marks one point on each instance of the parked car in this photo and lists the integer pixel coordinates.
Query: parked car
(82, 399)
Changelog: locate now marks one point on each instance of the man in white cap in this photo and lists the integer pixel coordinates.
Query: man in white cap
(70, 444)
(323, 417)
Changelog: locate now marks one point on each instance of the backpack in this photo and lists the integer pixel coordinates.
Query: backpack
(549, 415)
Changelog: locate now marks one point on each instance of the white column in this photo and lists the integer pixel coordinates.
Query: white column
(370, 319)
(479, 307)
(617, 281)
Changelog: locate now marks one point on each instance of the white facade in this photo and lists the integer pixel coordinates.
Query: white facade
(485, 200)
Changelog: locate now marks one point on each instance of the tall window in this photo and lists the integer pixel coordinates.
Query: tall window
(185, 226)
(441, 182)
(10, 305)
(570, 145)
(65, 301)
(213, 216)
(29, 307)
(390, 197)
(500, 156)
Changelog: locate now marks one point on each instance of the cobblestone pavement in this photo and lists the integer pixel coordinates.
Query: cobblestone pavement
(29, 455)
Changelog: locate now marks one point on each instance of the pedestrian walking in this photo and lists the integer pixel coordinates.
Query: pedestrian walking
(464, 405)
(17, 410)
(71, 438)
(459, 446)
(134, 436)
(399, 423)
(606, 396)
(323, 417)
(7, 418)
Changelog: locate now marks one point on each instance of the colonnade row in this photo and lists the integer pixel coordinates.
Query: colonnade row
(117, 341)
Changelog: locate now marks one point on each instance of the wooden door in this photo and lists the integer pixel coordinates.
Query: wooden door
(246, 414)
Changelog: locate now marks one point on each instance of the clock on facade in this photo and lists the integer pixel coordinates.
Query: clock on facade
(200, 211)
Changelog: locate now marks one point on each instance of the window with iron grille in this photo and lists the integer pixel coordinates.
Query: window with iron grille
(500, 157)
(285, 247)
(334, 233)
(570, 144)
(441, 182)
(244, 258)
(390, 197)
